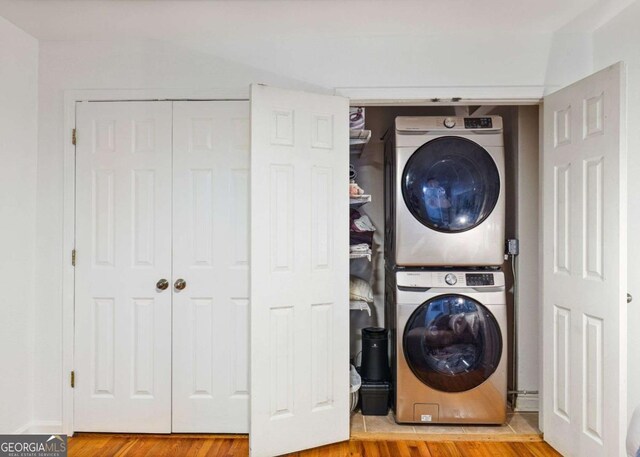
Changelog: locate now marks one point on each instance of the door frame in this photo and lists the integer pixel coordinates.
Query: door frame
(414, 96)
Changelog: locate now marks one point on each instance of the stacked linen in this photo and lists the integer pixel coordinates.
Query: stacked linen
(361, 239)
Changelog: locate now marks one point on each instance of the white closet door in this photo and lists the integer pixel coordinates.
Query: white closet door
(211, 254)
(299, 271)
(584, 266)
(123, 241)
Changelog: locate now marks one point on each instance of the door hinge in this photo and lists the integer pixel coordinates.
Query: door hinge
(73, 137)
(73, 257)
(73, 379)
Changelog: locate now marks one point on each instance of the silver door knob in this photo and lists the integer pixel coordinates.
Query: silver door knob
(180, 284)
(629, 298)
(162, 284)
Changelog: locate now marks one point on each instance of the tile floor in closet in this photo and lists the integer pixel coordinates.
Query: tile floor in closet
(519, 426)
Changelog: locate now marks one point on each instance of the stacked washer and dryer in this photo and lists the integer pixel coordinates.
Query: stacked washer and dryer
(445, 295)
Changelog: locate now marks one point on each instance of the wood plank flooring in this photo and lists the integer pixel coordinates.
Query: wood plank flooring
(108, 445)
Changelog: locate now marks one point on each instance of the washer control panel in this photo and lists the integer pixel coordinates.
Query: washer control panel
(479, 279)
(456, 279)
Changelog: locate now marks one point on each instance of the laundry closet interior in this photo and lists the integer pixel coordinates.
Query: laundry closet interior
(519, 185)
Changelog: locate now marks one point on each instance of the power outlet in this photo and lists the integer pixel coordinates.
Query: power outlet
(513, 247)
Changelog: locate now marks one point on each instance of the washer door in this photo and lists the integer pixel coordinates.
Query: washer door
(452, 343)
(450, 184)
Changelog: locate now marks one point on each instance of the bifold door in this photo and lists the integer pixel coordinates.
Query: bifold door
(584, 266)
(299, 271)
(162, 302)
(122, 356)
(211, 254)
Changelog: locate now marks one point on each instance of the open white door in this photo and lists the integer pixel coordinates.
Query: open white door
(299, 271)
(584, 262)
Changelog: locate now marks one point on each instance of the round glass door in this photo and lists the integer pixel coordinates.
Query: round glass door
(452, 343)
(450, 184)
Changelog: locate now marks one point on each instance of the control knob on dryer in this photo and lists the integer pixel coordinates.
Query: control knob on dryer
(450, 279)
(449, 122)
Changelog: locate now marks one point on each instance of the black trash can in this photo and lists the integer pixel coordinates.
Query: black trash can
(374, 398)
(375, 356)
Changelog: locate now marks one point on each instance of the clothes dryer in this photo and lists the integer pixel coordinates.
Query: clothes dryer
(444, 196)
(449, 353)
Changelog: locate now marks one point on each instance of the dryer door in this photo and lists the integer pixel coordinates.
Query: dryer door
(452, 343)
(450, 184)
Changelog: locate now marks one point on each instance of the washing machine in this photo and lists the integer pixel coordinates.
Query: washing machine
(444, 192)
(449, 351)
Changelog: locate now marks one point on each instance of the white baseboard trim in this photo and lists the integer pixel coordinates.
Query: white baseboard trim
(22, 430)
(40, 428)
(527, 403)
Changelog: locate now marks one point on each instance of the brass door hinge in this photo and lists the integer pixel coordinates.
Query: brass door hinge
(73, 258)
(73, 379)
(73, 137)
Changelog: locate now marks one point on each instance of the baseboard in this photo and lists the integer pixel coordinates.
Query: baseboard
(527, 403)
(22, 430)
(40, 428)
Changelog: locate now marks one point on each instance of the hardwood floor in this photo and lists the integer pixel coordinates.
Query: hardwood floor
(107, 445)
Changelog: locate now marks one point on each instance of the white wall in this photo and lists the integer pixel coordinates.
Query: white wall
(18, 154)
(333, 43)
(445, 59)
(98, 65)
(569, 60)
(615, 41)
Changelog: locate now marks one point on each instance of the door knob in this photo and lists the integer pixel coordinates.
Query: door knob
(180, 284)
(162, 284)
(629, 298)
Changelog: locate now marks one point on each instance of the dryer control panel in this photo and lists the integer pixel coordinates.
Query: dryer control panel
(412, 125)
(479, 279)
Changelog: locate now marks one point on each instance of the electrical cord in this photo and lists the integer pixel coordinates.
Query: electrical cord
(514, 379)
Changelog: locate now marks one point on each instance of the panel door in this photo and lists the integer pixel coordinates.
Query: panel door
(123, 242)
(584, 266)
(211, 254)
(299, 271)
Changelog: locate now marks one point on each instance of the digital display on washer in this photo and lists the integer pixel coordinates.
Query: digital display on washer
(479, 279)
(477, 123)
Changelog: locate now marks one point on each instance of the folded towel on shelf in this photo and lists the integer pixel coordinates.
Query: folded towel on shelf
(357, 238)
(360, 250)
(359, 289)
(359, 305)
(361, 223)
(362, 247)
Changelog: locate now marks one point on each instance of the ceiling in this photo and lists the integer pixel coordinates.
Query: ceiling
(190, 20)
